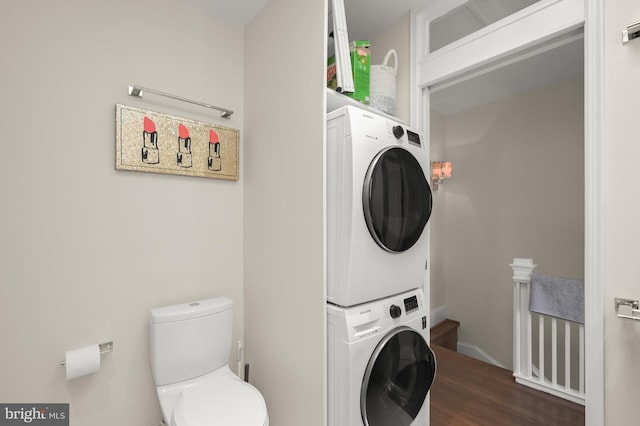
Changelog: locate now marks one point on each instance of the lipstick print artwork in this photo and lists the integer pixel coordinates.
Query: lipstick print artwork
(155, 142)
(184, 158)
(150, 153)
(215, 162)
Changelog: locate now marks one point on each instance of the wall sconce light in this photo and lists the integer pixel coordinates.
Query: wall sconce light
(440, 170)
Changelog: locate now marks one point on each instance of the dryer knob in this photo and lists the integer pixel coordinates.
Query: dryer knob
(395, 311)
(398, 131)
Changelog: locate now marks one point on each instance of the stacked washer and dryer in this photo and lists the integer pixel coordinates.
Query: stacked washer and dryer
(380, 366)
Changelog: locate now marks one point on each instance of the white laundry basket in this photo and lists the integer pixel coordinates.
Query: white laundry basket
(383, 84)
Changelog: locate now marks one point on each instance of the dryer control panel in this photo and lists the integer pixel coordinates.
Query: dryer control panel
(414, 138)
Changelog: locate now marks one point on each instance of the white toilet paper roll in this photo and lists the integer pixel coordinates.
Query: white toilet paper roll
(82, 361)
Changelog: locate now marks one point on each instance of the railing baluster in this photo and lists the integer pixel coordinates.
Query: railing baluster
(517, 334)
(554, 352)
(581, 359)
(529, 353)
(541, 348)
(567, 354)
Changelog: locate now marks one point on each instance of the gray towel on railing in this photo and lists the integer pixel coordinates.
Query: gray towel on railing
(558, 297)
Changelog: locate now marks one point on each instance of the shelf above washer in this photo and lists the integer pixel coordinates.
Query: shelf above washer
(337, 100)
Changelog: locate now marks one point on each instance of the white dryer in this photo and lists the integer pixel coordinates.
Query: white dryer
(378, 203)
(380, 367)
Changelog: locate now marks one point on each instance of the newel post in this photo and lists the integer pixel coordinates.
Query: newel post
(522, 270)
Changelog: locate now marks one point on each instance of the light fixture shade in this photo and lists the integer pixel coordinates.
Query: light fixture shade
(440, 170)
(446, 169)
(436, 170)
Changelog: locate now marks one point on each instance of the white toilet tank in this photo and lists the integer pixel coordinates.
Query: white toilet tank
(189, 340)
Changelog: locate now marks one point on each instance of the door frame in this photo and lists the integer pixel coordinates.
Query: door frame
(535, 25)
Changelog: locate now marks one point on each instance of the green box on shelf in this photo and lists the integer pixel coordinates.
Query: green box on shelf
(360, 68)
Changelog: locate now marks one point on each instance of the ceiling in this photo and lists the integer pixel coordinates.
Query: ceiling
(539, 67)
(533, 71)
(475, 14)
(367, 18)
(239, 12)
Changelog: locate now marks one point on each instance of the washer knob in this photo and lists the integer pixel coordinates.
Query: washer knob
(398, 131)
(395, 311)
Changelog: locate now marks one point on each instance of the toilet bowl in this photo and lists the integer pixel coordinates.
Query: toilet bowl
(190, 346)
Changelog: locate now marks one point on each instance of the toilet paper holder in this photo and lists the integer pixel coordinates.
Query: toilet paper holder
(104, 349)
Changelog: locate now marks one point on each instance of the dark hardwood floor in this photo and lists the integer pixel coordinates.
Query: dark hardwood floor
(470, 392)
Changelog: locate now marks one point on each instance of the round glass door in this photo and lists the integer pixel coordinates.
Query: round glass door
(396, 198)
(397, 379)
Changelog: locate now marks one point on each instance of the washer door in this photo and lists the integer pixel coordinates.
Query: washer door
(397, 379)
(396, 199)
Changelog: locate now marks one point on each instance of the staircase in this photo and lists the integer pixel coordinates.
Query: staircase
(445, 334)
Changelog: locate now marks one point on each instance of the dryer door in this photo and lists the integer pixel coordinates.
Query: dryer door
(397, 379)
(396, 199)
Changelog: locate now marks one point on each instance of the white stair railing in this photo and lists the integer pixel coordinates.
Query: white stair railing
(536, 341)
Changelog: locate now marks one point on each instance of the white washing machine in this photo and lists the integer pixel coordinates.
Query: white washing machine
(378, 204)
(380, 366)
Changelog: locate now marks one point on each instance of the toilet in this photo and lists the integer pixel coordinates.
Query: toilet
(190, 346)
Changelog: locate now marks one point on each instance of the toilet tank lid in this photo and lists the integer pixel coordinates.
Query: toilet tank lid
(190, 310)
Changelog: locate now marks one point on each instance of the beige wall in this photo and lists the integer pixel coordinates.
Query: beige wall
(396, 37)
(517, 191)
(87, 251)
(437, 236)
(285, 318)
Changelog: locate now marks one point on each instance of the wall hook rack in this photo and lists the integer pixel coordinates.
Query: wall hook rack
(135, 90)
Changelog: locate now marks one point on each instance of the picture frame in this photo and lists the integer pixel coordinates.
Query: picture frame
(156, 142)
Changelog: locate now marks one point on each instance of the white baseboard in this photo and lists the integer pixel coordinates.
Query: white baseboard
(475, 352)
(438, 314)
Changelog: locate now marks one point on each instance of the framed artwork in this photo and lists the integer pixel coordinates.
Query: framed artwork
(155, 142)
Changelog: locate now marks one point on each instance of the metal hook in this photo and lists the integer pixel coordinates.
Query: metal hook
(631, 32)
(631, 309)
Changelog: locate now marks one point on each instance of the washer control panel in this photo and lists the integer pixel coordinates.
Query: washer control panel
(411, 304)
(395, 311)
(397, 131)
(355, 323)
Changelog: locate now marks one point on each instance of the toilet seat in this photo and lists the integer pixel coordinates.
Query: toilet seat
(225, 400)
